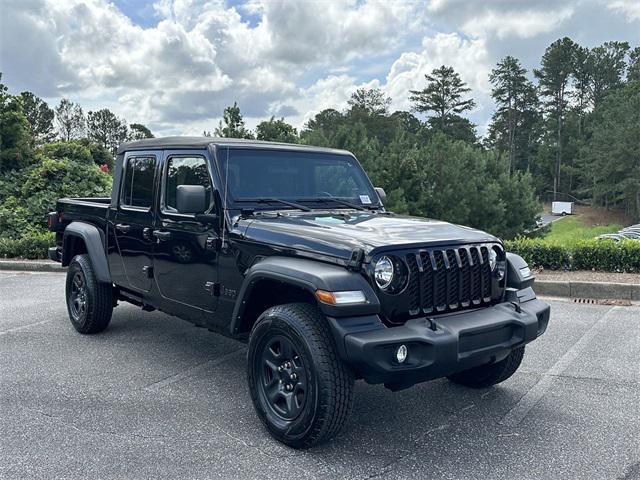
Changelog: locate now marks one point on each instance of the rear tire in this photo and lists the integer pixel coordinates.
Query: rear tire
(89, 302)
(491, 374)
(303, 400)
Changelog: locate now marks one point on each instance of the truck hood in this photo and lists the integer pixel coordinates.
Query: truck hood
(339, 234)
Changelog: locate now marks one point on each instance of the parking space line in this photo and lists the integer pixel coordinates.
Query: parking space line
(520, 410)
(23, 327)
(154, 387)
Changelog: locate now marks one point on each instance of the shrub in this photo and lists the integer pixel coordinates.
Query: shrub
(32, 246)
(608, 255)
(27, 195)
(592, 254)
(538, 253)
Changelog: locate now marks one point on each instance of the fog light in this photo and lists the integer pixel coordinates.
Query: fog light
(401, 354)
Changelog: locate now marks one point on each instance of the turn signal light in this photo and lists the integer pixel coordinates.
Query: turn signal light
(341, 298)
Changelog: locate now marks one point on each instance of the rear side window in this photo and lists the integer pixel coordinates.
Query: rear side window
(185, 171)
(137, 189)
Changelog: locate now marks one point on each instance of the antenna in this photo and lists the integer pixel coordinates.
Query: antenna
(224, 202)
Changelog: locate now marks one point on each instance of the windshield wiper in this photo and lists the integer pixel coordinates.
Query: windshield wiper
(335, 200)
(274, 200)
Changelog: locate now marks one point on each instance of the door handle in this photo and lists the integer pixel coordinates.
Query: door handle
(162, 236)
(123, 227)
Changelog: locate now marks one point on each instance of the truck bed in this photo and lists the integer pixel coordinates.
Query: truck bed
(88, 209)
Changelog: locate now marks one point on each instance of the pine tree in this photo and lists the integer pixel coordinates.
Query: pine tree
(554, 76)
(516, 113)
(232, 124)
(443, 95)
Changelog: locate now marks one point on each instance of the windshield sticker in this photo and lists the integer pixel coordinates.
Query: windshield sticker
(365, 200)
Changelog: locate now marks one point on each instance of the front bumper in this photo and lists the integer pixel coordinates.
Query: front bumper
(442, 345)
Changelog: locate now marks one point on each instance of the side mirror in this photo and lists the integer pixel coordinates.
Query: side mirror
(382, 195)
(191, 199)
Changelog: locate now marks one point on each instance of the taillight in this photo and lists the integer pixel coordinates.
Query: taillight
(53, 220)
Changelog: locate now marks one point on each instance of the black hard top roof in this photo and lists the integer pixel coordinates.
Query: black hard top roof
(203, 142)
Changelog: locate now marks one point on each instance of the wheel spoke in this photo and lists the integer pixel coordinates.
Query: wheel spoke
(273, 392)
(292, 405)
(272, 366)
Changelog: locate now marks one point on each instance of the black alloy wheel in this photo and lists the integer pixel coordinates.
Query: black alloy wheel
(300, 388)
(89, 301)
(282, 378)
(79, 298)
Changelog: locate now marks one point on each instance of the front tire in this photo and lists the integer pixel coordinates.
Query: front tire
(89, 302)
(300, 389)
(487, 375)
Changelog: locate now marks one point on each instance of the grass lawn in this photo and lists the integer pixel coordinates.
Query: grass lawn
(568, 230)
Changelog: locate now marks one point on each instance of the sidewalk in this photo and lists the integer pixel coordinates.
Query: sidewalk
(31, 265)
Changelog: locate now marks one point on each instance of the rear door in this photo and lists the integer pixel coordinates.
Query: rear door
(134, 218)
(186, 251)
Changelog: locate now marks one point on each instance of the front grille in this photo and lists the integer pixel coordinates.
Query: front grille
(448, 279)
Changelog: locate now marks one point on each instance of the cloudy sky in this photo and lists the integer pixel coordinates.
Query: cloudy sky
(175, 64)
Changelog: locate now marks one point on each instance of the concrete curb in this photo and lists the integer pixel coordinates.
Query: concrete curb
(595, 290)
(551, 288)
(32, 265)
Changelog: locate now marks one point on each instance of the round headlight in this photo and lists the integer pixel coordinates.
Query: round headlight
(383, 272)
(493, 259)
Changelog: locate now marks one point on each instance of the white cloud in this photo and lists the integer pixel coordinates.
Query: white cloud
(200, 57)
(275, 57)
(630, 8)
(523, 23)
(468, 57)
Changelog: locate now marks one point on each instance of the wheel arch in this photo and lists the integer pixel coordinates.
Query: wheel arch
(80, 238)
(277, 280)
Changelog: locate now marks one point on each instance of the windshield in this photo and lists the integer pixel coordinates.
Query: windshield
(295, 176)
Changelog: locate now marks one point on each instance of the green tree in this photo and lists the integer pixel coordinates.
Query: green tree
(40, 117)
(15, 134)
(276, 131)
(106, 129)
(633, 69)
(70, 120)
(137, 131)
(373, 101)
(554, 75)
(62, 169)
(515, 118)
(607, 69)
(612, 157)
(443, 95)
(232, 124)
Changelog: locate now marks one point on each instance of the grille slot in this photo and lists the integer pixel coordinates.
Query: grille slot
(448, 279)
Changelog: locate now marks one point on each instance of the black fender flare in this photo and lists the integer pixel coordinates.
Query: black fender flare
(93, 240)
(309, 275)
(516, 269)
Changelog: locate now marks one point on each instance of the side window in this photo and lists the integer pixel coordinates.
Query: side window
(185, 171)
(137, 189)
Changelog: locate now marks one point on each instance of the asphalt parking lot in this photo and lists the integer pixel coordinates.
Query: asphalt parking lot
(154, 397)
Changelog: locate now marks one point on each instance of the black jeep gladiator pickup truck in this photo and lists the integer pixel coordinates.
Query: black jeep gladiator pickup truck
(289, 247)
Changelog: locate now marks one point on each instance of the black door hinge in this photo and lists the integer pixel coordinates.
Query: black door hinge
(355, 262)
(213, 243)
(213, 288)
